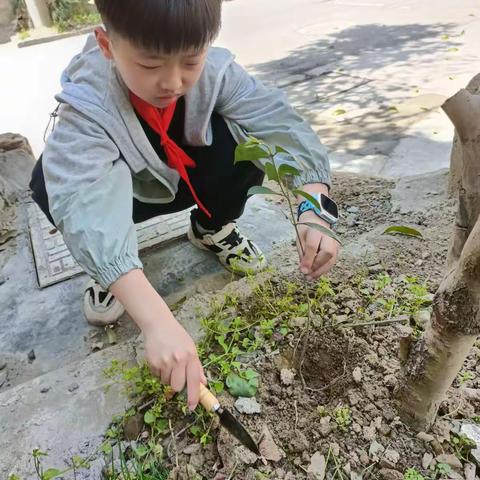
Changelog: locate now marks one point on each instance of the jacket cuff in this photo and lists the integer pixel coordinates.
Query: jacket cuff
(110, 273)
(312, 176)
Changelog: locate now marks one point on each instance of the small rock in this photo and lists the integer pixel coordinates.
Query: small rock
(470, 471)
(390, 458)
(375, 449)
(286, 376)
(45, 390)
(248, 406)
(184, 472)
(318, 466)
(133, 426)
(31, 356)
(389, 474)
(422, 317)
(449, 459)
(197, 460)
(97, 346)
(3, 377)
(353, 209)
(357, 375)
(73, 387)
(268, 448)
(436, 446)
(425, 437)
(191, 449)
(376, 269)
(299, 443)
(427, 460)
(3, 365)
(428, 298)
(325, 427)
(298, 322)
(369, 433)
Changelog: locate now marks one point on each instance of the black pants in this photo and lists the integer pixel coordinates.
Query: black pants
(221, 186)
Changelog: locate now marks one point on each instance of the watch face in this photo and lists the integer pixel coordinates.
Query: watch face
(329, 206)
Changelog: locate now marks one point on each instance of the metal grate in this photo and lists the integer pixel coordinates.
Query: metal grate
(53, 260)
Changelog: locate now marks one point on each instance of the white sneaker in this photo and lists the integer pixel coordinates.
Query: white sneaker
(100, 306)
(235, 252)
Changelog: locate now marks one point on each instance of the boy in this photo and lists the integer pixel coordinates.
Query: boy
(150, 112)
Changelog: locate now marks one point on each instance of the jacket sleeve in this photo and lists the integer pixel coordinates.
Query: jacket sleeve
(265, 113)
(89, 190)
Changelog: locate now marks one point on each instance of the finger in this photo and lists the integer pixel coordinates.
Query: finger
(323, 270)
(193, 383)
(203, 378)
(327, 251)
(312, 242)
(177, 379)
(165, 375)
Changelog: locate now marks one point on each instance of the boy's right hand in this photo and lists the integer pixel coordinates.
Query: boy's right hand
(172, 357)
(169, 349)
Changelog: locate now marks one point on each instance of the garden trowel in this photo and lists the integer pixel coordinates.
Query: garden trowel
(211, 404)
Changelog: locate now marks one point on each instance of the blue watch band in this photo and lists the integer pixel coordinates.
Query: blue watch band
(306, 206)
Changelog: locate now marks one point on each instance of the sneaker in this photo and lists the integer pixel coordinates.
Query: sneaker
(235, 252)
(100, 306)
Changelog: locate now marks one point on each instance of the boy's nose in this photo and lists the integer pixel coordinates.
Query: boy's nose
(172, 82)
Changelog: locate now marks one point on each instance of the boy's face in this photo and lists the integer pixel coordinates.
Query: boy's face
(158, 79)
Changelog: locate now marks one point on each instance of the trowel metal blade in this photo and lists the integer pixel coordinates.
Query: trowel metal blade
(237, 430)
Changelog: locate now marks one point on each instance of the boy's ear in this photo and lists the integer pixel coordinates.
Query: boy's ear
(104, 42)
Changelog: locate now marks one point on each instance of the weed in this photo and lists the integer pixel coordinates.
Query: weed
(413, 474)
(443, 470)
(342, 417)
(462, 446)
(465, 377)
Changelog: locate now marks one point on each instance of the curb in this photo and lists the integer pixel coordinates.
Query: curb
(53, 38)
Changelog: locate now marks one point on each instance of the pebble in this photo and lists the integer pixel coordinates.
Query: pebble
(3, 365)
(353, 209)
(191, 449)
(133, 426)
(427, 460)
(422, 317)
(248, 406)
(389, 474)
(318, 466)
(45, 390)
(425, 437)
(369, 433)
(376, 269)
(449, 459)
(357, 375)
(73, 387)
(391, 456)
(375, 449)
(97, 346)
(298, 322)
(470, 471)
(3, 377)
(299, 443)
(287, 376)
(31, 356)
(325, 427)
(268, 448)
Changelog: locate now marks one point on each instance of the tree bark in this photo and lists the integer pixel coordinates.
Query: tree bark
(436, 359)
(39, 13)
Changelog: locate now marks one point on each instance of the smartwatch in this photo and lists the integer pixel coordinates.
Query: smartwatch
(328, 208)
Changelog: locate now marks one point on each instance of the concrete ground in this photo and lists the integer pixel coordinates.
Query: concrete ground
(369, 75)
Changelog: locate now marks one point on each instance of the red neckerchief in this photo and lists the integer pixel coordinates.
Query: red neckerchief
(159, 120)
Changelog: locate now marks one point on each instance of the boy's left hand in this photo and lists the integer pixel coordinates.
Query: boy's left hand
(319, 250)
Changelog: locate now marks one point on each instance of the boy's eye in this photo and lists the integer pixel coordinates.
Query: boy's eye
(191, 64)
(149, 67)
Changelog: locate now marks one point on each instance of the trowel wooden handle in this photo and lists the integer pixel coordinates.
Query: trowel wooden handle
(208, 400)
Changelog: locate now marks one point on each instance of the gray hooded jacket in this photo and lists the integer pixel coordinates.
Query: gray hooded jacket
(98, 156)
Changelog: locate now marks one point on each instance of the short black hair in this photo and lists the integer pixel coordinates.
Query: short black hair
(166, 26)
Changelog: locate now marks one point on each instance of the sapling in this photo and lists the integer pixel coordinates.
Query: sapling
(282, 173)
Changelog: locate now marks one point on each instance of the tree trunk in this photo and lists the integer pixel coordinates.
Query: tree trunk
(39, 13)
(436, 359)
(455, 178)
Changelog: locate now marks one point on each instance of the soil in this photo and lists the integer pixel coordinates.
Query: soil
(354, 369)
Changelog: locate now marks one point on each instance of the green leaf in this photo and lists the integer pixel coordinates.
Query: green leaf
(339, 111)
(399, 229)
(326, 231)
(218, 386)
(249, 152)
(279, 149)
(445, 37)
(261, 191)
(271, 171)
(240, 387)
(453, 49)
(393, 109)
(141, 451)
(51, 473)
(286, 169)
(309, 197)
(149, 417)
(250, 374)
